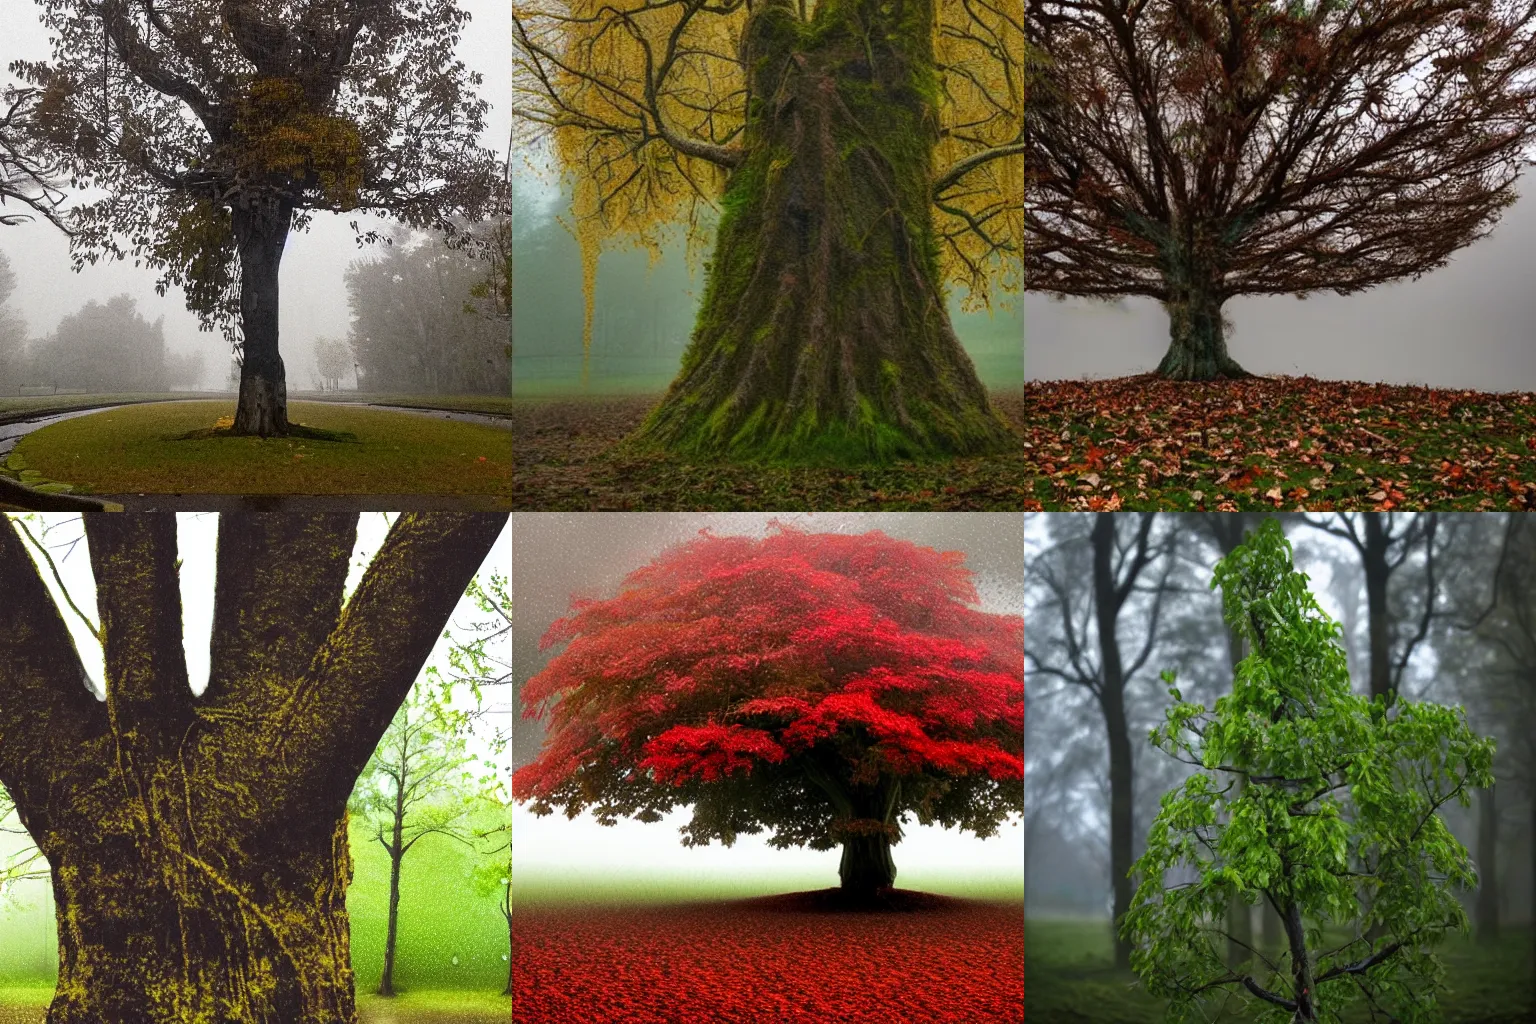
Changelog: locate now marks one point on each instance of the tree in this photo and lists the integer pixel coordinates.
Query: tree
(26, 176)
(13, 329)
(217, 126)
(1089, 618)
(863, 155)
(416, 325)
(1191, 150)
(492, 876)
(412, 787)
(1339, 792)
(198, 843)
(106, 347)
(823, 686)
(333, 358)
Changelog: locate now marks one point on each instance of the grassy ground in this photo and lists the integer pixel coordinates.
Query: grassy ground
(563, 463)
(537, 887)
(1276, 442)
(441, 918)
(171, 448)
(1071, 979)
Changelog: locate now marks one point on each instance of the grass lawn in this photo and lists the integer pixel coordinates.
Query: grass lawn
(564, 464)
(1275, 442)
(172, 448)
(1071, 979)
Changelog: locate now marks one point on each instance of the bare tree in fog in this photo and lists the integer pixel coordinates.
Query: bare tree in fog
(1083, 649)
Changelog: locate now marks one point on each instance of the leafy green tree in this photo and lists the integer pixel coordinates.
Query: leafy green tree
(1317, 800)
(414, 786)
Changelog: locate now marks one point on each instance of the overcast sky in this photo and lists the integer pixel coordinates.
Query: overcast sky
(557, 556)
(1471, 324)
(314, 297)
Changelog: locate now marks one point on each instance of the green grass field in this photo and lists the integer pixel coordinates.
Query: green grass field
(441, 918)
(147, 449)
(1070, 978)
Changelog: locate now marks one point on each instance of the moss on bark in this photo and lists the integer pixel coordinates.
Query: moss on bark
(823, 335)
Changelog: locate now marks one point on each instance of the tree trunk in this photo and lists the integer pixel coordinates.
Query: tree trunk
(1487, 865)
(150, 930)
(1377, 572)
(198, 844)
(823, 335)
(261, 231)
(866, 866)
(1112, 704)
(1197, 346)
(507, 911)
(1301, 965)
(387, 979)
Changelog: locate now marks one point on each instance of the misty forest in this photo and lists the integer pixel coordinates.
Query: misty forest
(1183, 156)
(170, 156)
(253, 768)
(834, 183)
(1280, 767)
(782, 752)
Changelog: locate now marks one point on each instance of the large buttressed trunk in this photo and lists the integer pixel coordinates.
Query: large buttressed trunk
(198, 843)
(261, 231)
(823, 335)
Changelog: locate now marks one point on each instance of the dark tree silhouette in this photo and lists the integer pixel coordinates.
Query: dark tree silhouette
(1194, 150)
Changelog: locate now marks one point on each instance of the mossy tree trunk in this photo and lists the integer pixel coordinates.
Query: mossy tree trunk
(261, 230)
(198, 843)
(823, 334)
(1197, 346)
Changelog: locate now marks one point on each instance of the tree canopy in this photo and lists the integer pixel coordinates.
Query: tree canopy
(823, 686)
(1318, 801)
(646, 101)
(1192, 150)
(213, 125)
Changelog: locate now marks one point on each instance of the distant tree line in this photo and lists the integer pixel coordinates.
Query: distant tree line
(422, 322)
(100, 347)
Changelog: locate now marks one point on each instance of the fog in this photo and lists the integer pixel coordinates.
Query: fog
(557, 556)
(644, 310)
(314, 298)
(1466, 325)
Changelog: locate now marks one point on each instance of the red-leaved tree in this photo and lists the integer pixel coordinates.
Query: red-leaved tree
(822, 686)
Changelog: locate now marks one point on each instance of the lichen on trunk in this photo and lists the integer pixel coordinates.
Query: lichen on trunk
(823, 335)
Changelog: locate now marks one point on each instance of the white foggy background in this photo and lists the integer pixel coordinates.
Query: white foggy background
(196, 538)
(1470, 324)
(314, 294)
(567, 858)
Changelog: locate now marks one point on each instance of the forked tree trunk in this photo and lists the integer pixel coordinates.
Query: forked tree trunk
(823, 334)
(261, 231)
(198, 844)
(1197, 344)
